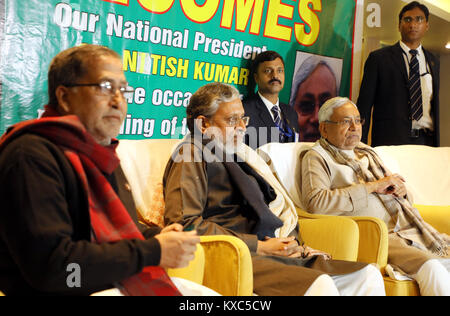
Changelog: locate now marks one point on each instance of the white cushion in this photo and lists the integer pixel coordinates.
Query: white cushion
(425, 169)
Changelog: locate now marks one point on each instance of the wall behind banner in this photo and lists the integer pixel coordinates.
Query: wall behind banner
(169, 48)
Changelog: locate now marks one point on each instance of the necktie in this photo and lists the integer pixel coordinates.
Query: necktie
(415, 90)
(278, 121)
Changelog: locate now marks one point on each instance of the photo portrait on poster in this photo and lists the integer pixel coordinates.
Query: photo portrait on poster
(316, 79)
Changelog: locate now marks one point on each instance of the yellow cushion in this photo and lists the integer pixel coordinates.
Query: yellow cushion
(401, 288)
(436, 216)
(228, 265)
(373, 237)
(373, 240)
(338, 236)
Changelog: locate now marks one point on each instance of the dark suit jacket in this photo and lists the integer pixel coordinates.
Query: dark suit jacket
(45, 225)
(385, 89)
(260, 117)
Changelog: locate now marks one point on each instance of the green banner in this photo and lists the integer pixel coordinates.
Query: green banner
(170, 48)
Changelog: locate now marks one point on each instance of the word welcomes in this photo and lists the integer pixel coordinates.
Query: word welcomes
(248, 12)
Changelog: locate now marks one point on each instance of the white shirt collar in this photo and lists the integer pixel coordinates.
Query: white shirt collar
(269, 104)
(406, 49)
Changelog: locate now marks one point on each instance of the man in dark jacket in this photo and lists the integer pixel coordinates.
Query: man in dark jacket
(68, 224)
(401, 86)
(270, 119)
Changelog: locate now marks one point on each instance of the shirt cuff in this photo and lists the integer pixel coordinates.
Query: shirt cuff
(151, 251)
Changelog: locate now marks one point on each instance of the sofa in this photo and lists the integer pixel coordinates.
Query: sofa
(223, 263)
(427, 174)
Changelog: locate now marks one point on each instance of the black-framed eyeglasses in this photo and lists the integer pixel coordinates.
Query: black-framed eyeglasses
(106, 87)
(417, 19)
(348, 122)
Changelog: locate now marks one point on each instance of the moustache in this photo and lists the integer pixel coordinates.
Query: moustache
(275, 80)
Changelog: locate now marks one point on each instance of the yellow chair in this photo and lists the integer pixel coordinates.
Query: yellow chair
(226, 254)
(372, 241)
(436, 216)
(338, 236)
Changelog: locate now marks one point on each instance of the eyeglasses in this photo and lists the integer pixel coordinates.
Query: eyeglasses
(348, 122)
(235, 121)
(106, 88)
(417, 19)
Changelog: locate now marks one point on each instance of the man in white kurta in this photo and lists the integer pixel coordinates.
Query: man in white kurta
(342, 176)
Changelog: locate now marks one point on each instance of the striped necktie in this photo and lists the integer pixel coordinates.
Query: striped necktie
(278, 121)
(415, 90)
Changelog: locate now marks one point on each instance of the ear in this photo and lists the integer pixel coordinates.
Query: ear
(202, 123)
(323, 130)
(62, 95)
(255, 78)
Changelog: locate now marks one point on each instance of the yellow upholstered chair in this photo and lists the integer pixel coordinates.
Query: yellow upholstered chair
(373, 234)
(436, 216)
(338, 236)
(225, 254)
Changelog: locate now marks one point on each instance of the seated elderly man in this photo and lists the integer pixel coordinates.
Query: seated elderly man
(342, 176)
(212, 187)
(68, 224)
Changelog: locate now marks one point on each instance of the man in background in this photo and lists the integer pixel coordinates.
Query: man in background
(401, 86)
(270, 119)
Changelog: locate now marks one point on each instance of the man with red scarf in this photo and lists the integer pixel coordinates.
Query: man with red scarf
(65, 199)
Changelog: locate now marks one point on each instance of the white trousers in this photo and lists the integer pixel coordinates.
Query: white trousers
(186, 288)
(365, 282)
(433, 278)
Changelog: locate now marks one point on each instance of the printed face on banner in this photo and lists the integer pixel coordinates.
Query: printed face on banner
(315, 81)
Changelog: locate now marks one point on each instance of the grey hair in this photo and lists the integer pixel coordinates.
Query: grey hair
(206, 100)
(307, 67)
(327, 109)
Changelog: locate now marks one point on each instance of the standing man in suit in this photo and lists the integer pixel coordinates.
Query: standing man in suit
(401, 85)
(270, 120)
